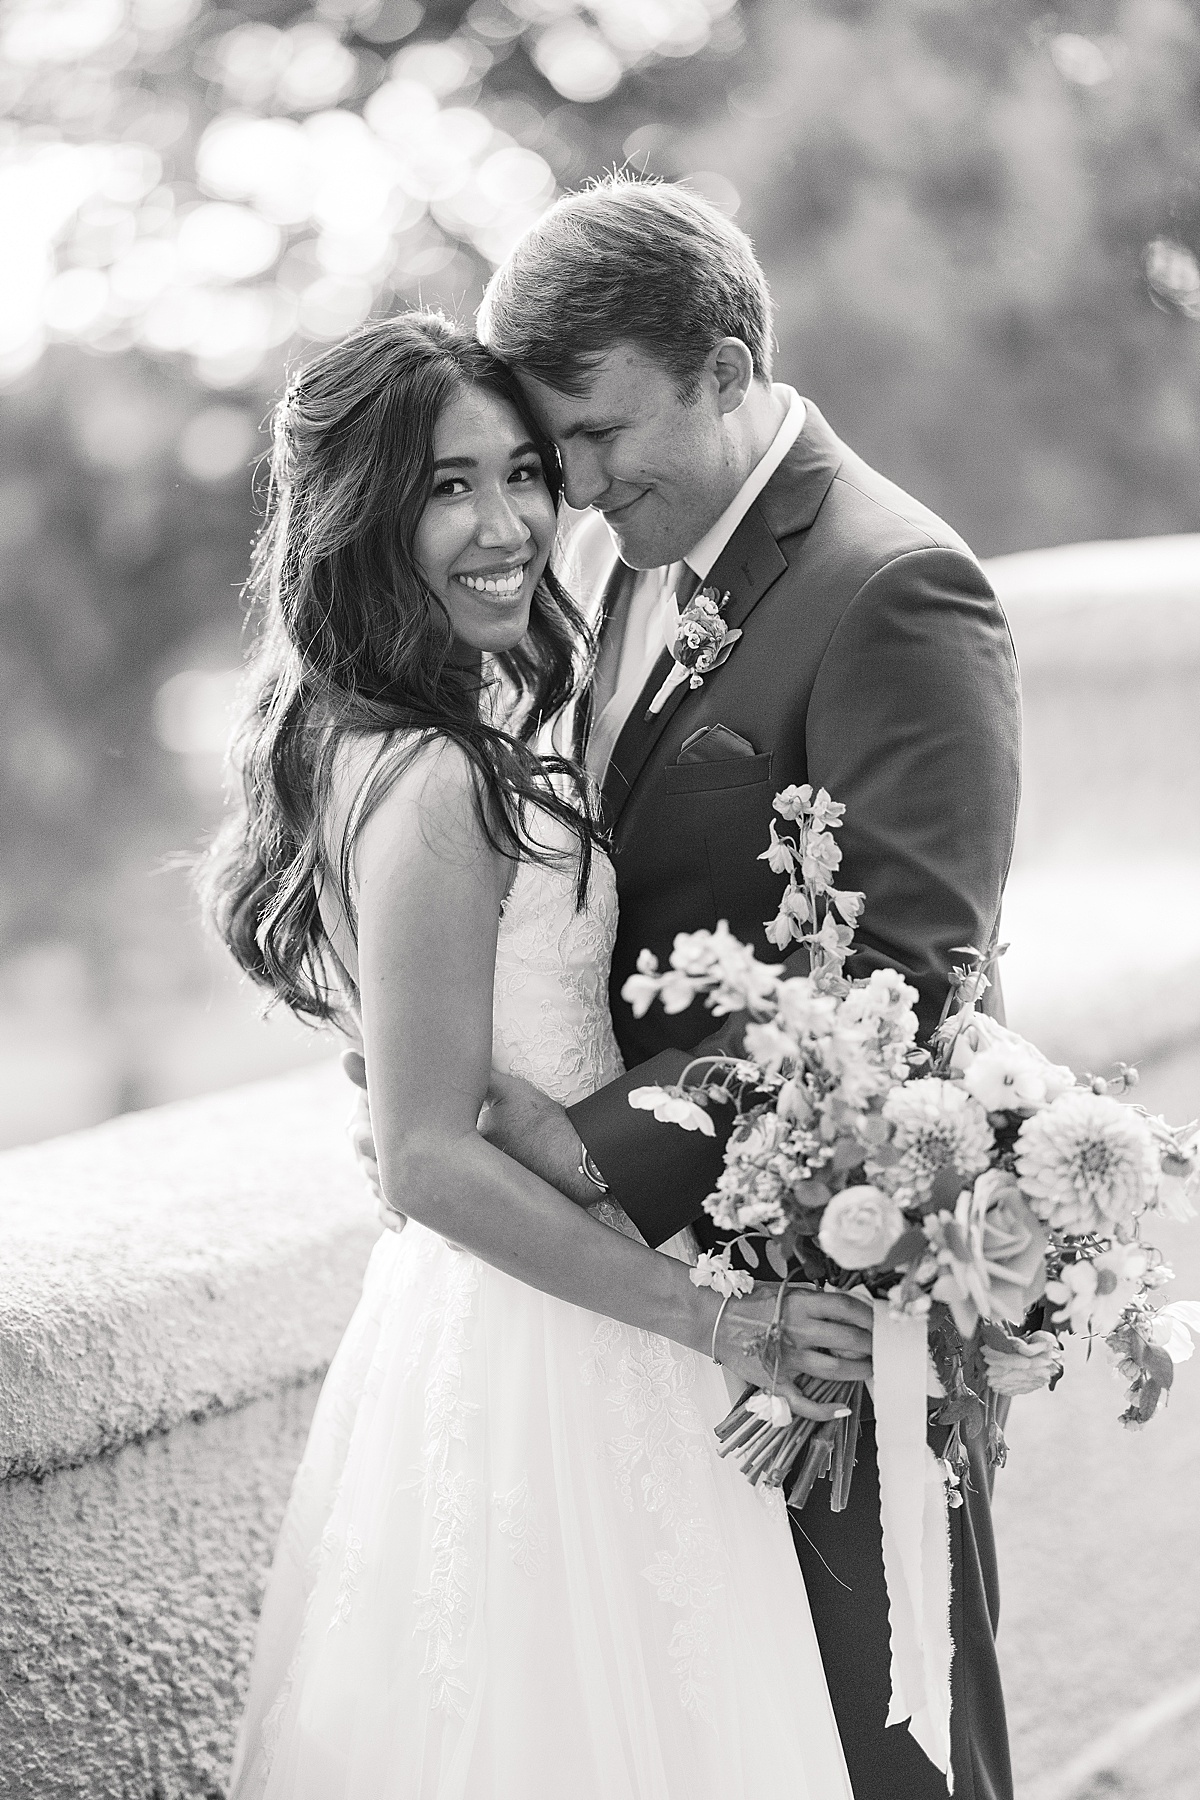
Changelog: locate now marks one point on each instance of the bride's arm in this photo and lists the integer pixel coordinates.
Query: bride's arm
(429, 896)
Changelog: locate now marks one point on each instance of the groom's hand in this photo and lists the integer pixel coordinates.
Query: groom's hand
(536, 1132)
(362, 1138)
(823, 1334)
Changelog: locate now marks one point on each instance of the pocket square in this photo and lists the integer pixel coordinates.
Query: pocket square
(714, 743)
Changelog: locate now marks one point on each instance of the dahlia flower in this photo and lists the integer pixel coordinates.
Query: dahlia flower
(1087, 1163)
(934, 1123)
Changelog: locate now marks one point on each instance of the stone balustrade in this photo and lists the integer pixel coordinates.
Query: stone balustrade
(172, 1286)
(173, 1283)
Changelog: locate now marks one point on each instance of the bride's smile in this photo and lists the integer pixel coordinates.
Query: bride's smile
(486, 532)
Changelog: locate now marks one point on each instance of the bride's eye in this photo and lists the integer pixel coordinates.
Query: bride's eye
(448, 486)
(527, 472)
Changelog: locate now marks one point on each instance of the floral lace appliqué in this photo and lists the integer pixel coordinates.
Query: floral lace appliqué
(352, 1565)
(520, 1522)
(444, 1608)
(553, 1024)
(444, 1605)
(656, 1460)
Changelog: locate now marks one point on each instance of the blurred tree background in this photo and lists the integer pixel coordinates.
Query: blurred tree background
(980, 218)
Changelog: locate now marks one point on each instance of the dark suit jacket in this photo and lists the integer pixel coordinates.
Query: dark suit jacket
(875, 662)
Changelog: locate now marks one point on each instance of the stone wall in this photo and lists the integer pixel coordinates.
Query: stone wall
(173, 1285)
(1103, 907)
(129, 1590)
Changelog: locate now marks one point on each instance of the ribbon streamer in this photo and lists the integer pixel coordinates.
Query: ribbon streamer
(678, 674)
(916, 1536)
(675, 679)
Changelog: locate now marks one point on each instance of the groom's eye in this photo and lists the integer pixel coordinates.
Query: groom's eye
(600, 434)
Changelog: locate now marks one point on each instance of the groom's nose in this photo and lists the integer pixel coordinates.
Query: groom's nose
(585, 480)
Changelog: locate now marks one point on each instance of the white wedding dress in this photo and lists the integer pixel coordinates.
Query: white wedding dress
(513, 1566)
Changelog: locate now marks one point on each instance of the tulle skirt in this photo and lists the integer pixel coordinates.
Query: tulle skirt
(513, 1567)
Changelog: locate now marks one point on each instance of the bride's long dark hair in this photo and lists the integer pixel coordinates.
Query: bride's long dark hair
(352, 641)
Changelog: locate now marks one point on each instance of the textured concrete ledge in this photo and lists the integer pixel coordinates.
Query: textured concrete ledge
(129, 1590)
(174, 1263)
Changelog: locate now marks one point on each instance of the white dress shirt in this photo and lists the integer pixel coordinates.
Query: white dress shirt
(653, 618)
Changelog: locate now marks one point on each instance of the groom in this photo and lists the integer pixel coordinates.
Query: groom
(873, 661)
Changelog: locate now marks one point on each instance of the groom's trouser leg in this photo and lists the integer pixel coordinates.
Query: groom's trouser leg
(852, 1629)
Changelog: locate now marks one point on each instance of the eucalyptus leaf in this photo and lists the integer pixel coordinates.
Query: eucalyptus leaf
(777, 1257)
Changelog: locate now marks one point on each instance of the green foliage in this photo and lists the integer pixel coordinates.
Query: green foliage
(981, 220)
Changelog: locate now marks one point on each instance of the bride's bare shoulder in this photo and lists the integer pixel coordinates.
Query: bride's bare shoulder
(405, 789)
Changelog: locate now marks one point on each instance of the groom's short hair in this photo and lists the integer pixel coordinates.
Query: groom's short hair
(627, 261)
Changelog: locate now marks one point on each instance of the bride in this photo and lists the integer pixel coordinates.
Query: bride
(513, 1566)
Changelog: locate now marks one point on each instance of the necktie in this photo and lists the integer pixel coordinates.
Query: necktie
(619, 678)
(612, 637)
(686, 583)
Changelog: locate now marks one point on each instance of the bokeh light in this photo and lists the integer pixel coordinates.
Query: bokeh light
(578, 61)
(717, 188)
(1173, 275)
(1081, 59)
(218, 442)
(220, 242)
(316, 184)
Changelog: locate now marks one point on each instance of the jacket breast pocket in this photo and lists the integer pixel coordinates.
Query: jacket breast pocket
(715, 777)
(726, 808)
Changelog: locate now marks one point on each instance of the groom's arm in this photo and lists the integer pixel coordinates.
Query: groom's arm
(914, 722)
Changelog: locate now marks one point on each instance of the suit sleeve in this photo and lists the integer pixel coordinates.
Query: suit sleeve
(659, 1174)
(914, 723)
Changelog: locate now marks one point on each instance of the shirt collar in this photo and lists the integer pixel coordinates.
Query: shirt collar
(704, 555)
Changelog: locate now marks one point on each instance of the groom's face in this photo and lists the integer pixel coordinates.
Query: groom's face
(656, 466)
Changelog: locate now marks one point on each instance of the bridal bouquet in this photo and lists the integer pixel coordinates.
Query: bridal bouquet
(976, 1185)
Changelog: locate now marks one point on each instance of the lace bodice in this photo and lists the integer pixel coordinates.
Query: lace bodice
(551, 1021)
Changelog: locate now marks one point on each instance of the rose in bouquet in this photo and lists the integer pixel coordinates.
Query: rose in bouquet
(975, 1183)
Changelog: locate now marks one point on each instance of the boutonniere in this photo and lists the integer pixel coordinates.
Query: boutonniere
(702, 643)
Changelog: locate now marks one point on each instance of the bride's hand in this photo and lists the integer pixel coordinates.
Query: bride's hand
(824, 1334)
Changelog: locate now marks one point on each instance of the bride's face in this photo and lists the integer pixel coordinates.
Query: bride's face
(487, 531)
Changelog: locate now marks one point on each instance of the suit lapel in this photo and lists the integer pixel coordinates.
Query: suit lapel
(749, 565)
(745, 569)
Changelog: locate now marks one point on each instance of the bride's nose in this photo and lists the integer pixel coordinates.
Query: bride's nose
(499, 525)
